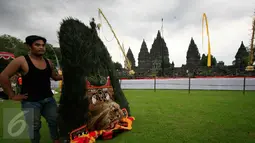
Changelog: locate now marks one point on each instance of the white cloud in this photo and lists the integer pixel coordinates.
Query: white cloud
(133, 21)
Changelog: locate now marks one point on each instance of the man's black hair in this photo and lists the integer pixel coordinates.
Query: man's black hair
(32, 38)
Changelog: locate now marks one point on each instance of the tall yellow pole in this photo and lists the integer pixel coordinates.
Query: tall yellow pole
(121, 48)
(204, 18)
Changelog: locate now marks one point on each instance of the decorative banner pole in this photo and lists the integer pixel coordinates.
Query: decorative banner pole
(250, 67)
(204, 18)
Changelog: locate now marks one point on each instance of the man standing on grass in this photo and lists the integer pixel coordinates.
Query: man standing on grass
(36, 94)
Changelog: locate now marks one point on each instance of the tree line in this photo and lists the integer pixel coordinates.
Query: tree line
(16, 46)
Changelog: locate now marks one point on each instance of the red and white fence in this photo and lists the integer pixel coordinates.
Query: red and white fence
(199, 83)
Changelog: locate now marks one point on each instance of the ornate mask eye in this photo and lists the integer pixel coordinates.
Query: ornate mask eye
(94, 100)
(107, 96)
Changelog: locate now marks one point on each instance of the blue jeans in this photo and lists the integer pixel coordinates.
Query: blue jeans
(32, 114)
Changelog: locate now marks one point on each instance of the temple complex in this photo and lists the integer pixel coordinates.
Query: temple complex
(150, 61)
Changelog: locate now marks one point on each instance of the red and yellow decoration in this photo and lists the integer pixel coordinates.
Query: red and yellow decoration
(82, 135)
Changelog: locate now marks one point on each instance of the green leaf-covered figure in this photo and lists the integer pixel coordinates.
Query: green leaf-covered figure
(84, 57)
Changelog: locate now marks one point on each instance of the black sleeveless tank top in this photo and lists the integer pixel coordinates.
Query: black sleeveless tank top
(36, 83)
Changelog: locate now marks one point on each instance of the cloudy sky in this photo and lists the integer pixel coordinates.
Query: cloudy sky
(134, 20)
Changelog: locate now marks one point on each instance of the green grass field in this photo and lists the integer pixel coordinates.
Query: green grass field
(175, 116)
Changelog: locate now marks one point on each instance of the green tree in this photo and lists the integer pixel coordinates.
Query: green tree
(51, 54)
(203, 61)
(118, 66)
(58, 53)
(220, 63)
(13, 45)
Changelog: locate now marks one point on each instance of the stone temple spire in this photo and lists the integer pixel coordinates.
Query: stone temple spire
(131, 58)
(144, 60)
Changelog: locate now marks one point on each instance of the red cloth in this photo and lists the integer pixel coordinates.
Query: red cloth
(90, 137)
